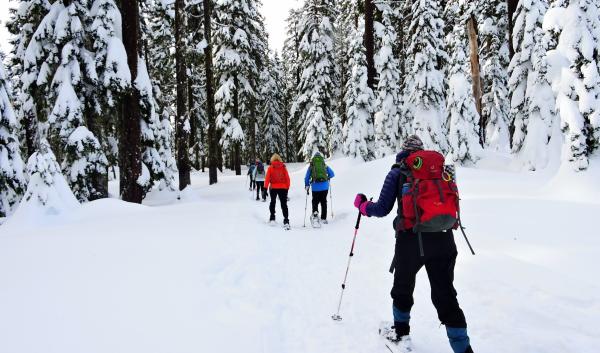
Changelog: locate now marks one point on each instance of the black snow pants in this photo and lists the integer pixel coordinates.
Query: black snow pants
(320, 197)
(260, 190)
(439, 260)
(282, 194)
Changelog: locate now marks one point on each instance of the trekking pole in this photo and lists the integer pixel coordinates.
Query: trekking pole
(305, 207)
(331, 198)
(337, 317)
(462, 229)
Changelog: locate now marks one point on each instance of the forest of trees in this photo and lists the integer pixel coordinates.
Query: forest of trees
(146, 91)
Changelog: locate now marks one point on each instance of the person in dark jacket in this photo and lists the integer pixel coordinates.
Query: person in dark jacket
(251, 167)
(439, 260)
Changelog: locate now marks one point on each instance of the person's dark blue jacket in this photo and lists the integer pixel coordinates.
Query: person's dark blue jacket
(320, 185)
(389, 191)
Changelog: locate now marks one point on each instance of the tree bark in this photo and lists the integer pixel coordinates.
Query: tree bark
(252, 133)
(182, 133)
(512, 7)
(194, 143)
(130, 157)
(213, 150)
(475, 72)
(369, 42)
(235, 157)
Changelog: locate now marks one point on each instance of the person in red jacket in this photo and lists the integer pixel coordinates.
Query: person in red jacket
(277, 181)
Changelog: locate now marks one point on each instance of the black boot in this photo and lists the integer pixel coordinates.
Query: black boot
(402, 329)
(469, 350)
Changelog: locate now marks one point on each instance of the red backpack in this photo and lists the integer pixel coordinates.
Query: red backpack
(430, 195)
(278, 173)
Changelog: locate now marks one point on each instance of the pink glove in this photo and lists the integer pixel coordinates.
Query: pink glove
(359, 199)
(363, 208)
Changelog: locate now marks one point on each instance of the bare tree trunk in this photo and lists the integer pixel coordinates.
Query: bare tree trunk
(236, 158)
(130, 157)
(181, 122)
(475, 72)
(213, 150)
(369, 42)
(252, 133)
(512, 7)
(194, 143)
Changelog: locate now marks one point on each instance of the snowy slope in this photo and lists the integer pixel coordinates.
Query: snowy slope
(206, 274)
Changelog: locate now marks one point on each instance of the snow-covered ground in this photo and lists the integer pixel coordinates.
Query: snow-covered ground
(206, 273)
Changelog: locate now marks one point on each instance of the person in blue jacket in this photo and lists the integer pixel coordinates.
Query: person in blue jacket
(320, 189)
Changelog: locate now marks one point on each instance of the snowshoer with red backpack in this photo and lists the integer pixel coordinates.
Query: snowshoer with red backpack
(317, 176)
(428, 211)
(277, 181)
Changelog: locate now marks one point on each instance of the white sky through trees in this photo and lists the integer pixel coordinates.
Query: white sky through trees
(274, 11)
(4, 6)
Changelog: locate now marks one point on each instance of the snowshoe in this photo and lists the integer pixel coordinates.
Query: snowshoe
(324, 221)
(315, 221)
(286, 225)
(394, 343)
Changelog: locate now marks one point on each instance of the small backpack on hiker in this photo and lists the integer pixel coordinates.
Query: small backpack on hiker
(318, 169)
(260, 169)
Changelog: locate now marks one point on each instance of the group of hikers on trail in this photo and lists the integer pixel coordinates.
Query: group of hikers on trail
(275, 181)
(427, 197)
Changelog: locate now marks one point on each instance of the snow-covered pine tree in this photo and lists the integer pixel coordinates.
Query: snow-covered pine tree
(12, 179)
(272, 96)
(336, 136)
(574, 27)
(47, 187)
(462, 113)
(158, 164)
(425, 80)
(84, 161)
(292, 73)
(114, 77)
(531, 97)
(39, 61)
(359, 136)
(402, 19)
(313, 104)
(346, 21)
(493, 33)
(259, 56)
(159, 41)
(23, 23)
(110, 56)
(387, 119)
(236, 42)
(196, 84)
